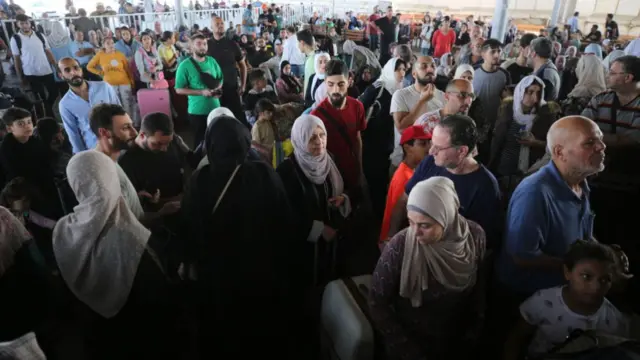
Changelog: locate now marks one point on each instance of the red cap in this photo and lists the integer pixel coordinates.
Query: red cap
(415, 132)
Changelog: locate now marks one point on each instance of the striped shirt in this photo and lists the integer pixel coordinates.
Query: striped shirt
(627, 116)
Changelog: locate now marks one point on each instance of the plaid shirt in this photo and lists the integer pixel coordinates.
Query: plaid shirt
(23, 348)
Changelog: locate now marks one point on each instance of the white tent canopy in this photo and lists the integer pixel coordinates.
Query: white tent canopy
(627, 12)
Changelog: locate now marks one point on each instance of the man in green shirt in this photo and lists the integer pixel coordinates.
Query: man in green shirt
(189, 81)
(307, 46)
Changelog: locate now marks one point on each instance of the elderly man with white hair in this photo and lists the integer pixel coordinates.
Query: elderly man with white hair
(550, 209)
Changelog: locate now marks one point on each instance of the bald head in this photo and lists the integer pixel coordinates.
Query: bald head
(459, 85)
(567, 129)
(576, 147)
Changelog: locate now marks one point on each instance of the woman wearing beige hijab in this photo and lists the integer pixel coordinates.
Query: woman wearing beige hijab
(591, 82)
(425, 291)
(106, 259)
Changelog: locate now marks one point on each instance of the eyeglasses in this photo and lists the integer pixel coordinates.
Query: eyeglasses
(611, 73)
(435, 149)
(463, 95)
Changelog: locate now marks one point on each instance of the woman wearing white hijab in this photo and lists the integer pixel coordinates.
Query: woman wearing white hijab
(104, 256)
(446, 61)
(591, 82)
(521, 129)
(378, 138)
(464, 71)
(423, 285)
(317, 78)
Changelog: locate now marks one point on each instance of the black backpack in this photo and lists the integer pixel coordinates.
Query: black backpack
(18, 40)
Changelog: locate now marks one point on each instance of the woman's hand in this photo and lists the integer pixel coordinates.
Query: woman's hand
(152, 198)
(337, 201)
(328, 233)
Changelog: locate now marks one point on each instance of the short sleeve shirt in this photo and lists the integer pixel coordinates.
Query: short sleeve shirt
(352, 120)
(187, 76)
(227, 54)
(554, 321)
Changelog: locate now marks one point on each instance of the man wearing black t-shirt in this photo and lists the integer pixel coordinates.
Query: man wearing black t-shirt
(227, 53)
(519, 67)
(387, 27)
(157, 162)
(611, 31)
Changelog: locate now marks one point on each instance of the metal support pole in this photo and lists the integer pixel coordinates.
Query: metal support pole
(178, 10)
(500, 19)
(555, 13)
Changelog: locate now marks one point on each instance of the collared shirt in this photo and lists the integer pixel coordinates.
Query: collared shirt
(573, 21)
(291, 52)
(75, 110)
(544, 217)
(76, 46)
(33, 55)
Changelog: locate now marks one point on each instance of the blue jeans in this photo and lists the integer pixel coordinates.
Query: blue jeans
(373, 42)
(425, 51)
(297, 70)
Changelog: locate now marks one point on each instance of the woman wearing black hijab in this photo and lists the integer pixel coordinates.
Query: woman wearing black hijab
(238, 215)
(55, 143)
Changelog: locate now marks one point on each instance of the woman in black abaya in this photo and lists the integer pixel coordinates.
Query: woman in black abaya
(239, 217)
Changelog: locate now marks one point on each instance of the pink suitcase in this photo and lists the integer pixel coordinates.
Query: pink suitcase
(153, 100)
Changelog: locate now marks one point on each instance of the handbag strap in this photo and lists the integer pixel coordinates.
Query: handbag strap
(226, 187)
(337, 125)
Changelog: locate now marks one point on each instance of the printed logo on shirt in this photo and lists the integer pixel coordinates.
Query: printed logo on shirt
(114, 62)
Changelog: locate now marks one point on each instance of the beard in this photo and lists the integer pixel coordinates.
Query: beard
(119, 144)
(337, 100)
(426, 80)
(200, 53)
(75, 81)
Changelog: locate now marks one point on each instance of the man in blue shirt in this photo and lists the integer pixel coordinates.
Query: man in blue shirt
(76, 104)
(550, 209)
(451, 156)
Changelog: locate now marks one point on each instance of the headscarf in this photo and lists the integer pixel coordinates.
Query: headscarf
(317, 75)
(461, 69)
(444, 68)
(59, 36)
(293, 84)
(321, 93)
(388, 77)
(557, 48)
(611, 58)
(316, 168)
(571, 51)
(227, 143)
(561, 61)
(219, 112)
(523, 119)
(594, 49)
(99, 245)
(590, 76)
(452, 260)
(13, 235)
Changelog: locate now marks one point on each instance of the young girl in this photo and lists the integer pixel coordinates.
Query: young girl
(551, 315)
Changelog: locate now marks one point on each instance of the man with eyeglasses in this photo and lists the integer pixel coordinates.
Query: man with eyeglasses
(624, 96)
(458, 98)
(451, 155)
(76, 104)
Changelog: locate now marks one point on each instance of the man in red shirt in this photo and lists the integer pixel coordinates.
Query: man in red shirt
(443, 39)
(373, 29)
(344, 118)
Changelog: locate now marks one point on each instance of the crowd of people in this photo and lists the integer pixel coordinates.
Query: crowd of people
(465, 179)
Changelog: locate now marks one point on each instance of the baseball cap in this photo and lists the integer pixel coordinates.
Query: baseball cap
(415, 132)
